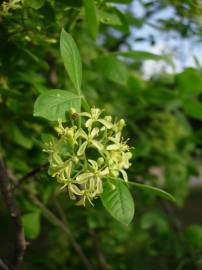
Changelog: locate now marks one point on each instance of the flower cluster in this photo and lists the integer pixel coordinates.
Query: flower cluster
(7, 6)
(87, 152)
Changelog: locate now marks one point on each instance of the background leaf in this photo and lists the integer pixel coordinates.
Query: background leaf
(154, 190)
(71, 57)
(91, 17)
(193, 108)
(113, 69)
(184, 81)
(35, 4)
(54, 104)
(109, 18)
(20, 138)
(31, 224)
(118, 202)
(143, 55)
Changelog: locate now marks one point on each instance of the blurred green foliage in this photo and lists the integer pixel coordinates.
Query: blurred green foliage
(163, 118)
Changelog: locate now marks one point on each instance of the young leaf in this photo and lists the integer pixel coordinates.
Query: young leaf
(54, 104)
(118, 202)
(91, 17)
(31, 224)
(71, 57)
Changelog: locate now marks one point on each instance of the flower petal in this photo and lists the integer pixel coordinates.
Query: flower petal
(113, 147)
(94, 132)
(107, 124)
(82, 149)
(82, 178)
(94, 164)
(81, 133)
(125, 176)
(75, 190)
(97, 144)
(89, 123)
(85, 114)
(67, 170)
(104, 172)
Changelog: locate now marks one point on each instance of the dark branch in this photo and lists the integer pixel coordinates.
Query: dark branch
(31, 174)
(100, 256)
(64, 227)
(14, 211)
(3, 266)
(175, 222)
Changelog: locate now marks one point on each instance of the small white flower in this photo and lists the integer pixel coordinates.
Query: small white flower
(80, 168)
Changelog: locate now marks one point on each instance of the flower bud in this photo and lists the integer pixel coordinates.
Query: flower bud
(72, 111)
(108, 118)
(74, 115)
(75, 159)
(114, 173)
(100, 161)
(129, 155)
(121, 123)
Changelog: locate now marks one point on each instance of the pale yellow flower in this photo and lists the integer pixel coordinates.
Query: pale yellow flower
(86, 154)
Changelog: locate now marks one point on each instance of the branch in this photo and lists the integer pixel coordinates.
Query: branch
(14, 211)
(100, 255)
(56, 221)
(175, 222)
(30, 174)
(3, 266)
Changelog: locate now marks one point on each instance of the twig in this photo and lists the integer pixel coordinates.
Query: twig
(60, 211)
(3, 266)
(31, 174)
(175, 222)
(56, 221)
(20, 243)
(100, 255)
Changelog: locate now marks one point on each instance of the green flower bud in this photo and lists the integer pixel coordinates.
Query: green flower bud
(100, 161)
(72, 110)
(108, 118)
(75, 159)
(114, 173)
(121, 123)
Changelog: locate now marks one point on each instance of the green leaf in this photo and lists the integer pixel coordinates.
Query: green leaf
(118, 201)
(143, 55)
(124, 26)
(31, 224)
(184, 82)
(54, 104)
(71, 57)
(109, 18)
(35, 4)
(120, 1)
(193, 108)
(91, 17)
(20, 138)
(113, 69)
(161, 95)
(154, 190)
